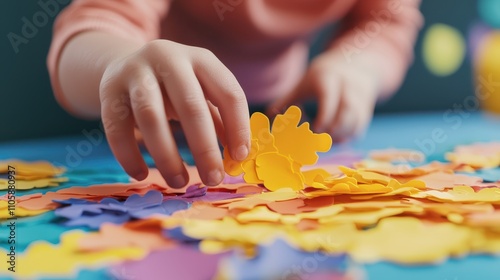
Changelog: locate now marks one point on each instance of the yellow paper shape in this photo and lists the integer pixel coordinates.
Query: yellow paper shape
(233, 231)
(463, 194)
(33, 184)
(235, 168)
(332, 239)
(261, 132)
(64, 260)
(282, 150)
(18, 212)
(408, 240)
(365, 176)
(250, 176)
(258, 214)
(298, 142)
(367, 218)
(486, 241)
(316, 178)
(31, 170)
(277, 172)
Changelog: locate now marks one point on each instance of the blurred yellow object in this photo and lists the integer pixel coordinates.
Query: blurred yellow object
(487, 73)
(443, 49)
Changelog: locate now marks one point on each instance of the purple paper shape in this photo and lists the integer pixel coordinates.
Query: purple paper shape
(233, 180)
(195, 191)
(209, 197)
(216, 196)
(78, 207)
(275, 261)
(167, 207)
(72, 201)
(150, 199)
(94, 222)
(76, 210)
(113, 204)
(183, 262)
(343, 157)
(93, 214)
(178, 235)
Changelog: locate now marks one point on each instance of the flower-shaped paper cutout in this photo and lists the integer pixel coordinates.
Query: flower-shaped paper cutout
(278, 153)
(298, 142)
(271, 164)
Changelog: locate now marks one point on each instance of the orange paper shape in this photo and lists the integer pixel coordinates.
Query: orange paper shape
(145, 234)
(400, 155)
(478, 155)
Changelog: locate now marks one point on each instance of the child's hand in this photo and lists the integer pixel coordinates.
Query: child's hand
(346, 94)
(163, 81)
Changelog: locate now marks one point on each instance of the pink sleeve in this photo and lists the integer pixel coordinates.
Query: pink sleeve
(386, 28)
(138, 19)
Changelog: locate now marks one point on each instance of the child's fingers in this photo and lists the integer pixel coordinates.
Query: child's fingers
(224, 91)
(119, 127)
(344, 125)
(299, 93)
(354, 114)
(328, 89)
(187, 97)
(219, 125)
(147, 104)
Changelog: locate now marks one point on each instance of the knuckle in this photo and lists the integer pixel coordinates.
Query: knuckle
(133, 68)
(144, 108)
(154, 47)
(195, 107)
(234, 95)
(203, 52)
(146, 111)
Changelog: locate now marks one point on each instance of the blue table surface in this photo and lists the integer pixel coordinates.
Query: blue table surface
(434, 134)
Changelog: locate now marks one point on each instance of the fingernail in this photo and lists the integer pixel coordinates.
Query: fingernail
(214, 177)
(178, 181)
(241, 153)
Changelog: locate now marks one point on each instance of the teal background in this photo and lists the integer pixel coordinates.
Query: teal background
(29, 110)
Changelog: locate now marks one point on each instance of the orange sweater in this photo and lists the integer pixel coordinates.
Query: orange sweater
(265, 43)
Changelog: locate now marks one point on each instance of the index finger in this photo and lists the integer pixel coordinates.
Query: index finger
(224, 91)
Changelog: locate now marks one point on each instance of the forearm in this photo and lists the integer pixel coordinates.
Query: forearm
(81, 66)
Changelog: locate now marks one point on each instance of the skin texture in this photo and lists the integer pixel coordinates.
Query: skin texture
(346, 93)
(145, 87)
(131, 85)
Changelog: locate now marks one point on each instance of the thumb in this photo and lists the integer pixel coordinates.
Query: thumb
(298, 94)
